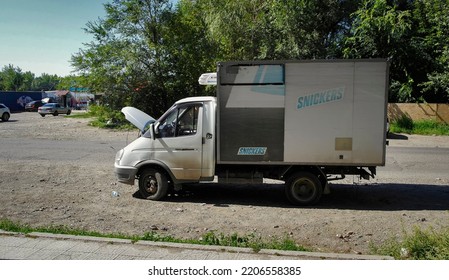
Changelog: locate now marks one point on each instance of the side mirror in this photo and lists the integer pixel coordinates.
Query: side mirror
(151, 131)
(155, 129)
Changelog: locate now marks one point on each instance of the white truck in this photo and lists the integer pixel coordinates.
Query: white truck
(303, 122)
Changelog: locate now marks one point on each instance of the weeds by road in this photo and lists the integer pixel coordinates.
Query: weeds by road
(210, 238)
(424, 127)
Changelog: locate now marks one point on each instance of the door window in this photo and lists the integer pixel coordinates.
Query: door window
(182, 121)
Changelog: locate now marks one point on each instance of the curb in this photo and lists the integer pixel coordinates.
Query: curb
(210, 248)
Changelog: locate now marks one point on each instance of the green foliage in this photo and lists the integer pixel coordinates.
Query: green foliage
(13, 79)
(414, 36)
(148, 54)
(105, 117)
(404, 123)
(209, 238)
(430, 127)
(423, 127)
(8, 225)
(419, 245)
(250, 241)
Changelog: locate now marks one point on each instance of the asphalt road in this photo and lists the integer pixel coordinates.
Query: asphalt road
(421, 165)
(84, 152)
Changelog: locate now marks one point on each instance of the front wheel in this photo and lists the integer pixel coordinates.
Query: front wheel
(153, 184)
(68, 112)
(303, 188)
(5, 117)
(55, 113)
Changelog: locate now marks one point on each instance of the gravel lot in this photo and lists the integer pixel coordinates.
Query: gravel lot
(59, 171)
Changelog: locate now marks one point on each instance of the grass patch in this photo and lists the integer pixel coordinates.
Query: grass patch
(209, 238)
(104, 117)
(421, 244)
(83, 115)
(424, 127)
(250, 241)
(8, 225)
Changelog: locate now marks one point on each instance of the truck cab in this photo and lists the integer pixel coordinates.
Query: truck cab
(177, 148)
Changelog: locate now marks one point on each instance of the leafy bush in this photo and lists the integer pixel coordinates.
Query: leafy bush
(105, 117)
(423, 127)
(420, 245)
(405, 123)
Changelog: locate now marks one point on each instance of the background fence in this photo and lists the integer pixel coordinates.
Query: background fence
(419, 111)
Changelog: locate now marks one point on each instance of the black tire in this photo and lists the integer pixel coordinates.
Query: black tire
(303, 189)
(153, 184)
(5, 117)
(55, 113)
(68, 112)
(43, 115)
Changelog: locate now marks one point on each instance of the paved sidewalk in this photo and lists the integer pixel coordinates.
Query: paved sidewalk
(44, 246)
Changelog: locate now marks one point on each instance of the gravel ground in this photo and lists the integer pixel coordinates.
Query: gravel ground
(43, 189)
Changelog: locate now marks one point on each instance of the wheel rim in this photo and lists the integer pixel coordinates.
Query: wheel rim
(303, 189)
(150, 184)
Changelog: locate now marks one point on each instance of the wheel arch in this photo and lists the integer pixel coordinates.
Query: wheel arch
(158, 166)
(316, 170)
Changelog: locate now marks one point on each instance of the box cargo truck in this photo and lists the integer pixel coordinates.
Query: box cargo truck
(303, 122)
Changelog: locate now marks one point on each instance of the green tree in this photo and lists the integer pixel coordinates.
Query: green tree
(67, 82)
(144, 54)
(27, 81)
(433, 18)
(287, 29)
(11, 78)
(414, 36)
(311, 29)
(45, 82)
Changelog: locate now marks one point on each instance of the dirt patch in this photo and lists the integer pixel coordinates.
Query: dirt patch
(67, 179)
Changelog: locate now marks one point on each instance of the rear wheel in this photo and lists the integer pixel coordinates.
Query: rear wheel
(303, 188)
(43, 115)
(68, 112)
(153, 184)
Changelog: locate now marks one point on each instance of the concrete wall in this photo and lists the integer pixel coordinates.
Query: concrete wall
(419, 111)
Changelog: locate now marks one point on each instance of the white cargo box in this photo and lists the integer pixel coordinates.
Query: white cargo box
(325, 112)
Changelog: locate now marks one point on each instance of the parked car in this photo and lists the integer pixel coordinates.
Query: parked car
(5, 113)
(33, 106)
(53, 109)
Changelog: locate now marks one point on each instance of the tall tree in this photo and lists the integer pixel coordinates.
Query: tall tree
(11, 78)
(45, 82)
(433, 26)
(287, 29)
(412, 34)
(144, 53)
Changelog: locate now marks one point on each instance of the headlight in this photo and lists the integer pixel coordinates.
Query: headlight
(119, 155)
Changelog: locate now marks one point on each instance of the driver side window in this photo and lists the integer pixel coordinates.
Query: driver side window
(182, 121)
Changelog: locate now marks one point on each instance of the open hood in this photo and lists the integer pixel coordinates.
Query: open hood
(137, 117)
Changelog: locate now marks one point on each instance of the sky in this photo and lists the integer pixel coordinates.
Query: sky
(40, 36)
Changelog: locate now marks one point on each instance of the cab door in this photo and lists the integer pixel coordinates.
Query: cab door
(178, 142)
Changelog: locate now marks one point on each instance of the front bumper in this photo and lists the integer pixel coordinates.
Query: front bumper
(125, 174)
